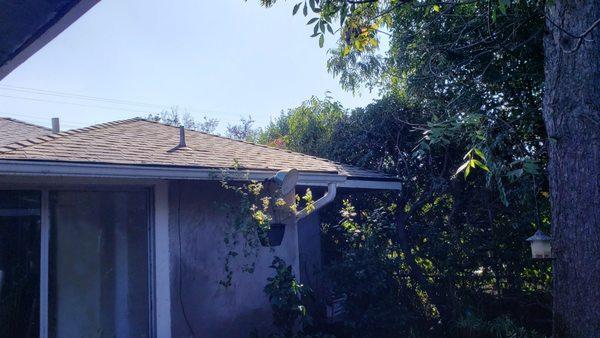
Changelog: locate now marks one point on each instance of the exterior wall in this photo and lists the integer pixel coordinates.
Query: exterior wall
(309, 244)
(310, 259)
(196, 231)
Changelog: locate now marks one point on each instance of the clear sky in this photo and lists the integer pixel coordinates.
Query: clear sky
(224, 59)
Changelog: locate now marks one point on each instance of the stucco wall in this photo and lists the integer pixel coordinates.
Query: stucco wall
(196, 229)
(309, 243)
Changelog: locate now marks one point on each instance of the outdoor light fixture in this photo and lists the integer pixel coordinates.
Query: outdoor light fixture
(540, 245)
(286, 185)
(286, 179)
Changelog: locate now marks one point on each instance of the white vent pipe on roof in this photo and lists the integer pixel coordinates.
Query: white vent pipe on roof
(55, 125)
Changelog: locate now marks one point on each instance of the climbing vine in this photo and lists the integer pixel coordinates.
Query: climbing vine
(250, 217)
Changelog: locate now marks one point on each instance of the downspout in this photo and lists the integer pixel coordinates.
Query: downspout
(321, 202)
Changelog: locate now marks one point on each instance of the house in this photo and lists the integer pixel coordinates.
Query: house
(117, 229)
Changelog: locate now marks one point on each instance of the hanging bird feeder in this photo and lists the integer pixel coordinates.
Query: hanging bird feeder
(540, 245)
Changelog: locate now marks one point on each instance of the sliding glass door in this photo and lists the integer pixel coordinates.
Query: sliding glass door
(93, 278)
(19, 263)
(98, 264)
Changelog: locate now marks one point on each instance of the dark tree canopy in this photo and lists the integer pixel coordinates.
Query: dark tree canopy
(461, 123)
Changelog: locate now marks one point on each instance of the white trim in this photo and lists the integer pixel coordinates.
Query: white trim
(67, 19)
(367, 184)
(49, 168)
(44, 257)
(162, 260)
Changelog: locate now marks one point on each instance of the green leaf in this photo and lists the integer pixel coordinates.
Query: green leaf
(462, 167)
(312, 21)
(530, 167)
(514, 174)
(346, 51)
(321, 41)
(329, 28)
(296, 8)
(343, 13)
(305, 10)
(479, 153)
(479, 164)
(502, 7)
(436, 8)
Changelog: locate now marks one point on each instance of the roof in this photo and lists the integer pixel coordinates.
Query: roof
(12, 131)
(28, 25)
(140, 142)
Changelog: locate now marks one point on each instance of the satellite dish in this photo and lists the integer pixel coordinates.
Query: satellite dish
(287, 180)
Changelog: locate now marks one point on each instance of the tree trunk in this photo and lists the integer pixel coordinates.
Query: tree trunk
(571, 109)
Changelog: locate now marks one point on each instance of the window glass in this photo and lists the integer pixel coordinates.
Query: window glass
(19, 263)
(98, 278)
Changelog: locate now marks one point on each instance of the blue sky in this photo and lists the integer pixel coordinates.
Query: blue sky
(224, 59)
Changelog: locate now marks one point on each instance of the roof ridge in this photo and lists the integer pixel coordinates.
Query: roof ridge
(21, 144)
(25, 123)
(250, 143)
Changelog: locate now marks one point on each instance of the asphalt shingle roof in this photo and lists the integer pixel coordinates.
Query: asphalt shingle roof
(12, 131)
(142, 142)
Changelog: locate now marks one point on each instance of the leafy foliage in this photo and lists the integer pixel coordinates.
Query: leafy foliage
(285, 294)
(500, 327)
(250, 219)
(243, 131)
(306, 128)
(365, 267)
(257, 205)
(462, 86)
(448, 245)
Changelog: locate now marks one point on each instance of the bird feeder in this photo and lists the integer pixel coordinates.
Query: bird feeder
(540, 245)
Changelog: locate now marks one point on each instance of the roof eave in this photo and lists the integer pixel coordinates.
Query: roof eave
(46, 34)
(101, 170)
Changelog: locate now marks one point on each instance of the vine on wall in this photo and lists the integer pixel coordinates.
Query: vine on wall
(257, 206)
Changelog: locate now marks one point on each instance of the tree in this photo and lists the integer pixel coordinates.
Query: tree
(174, 118)
(572, 116)
(473, 64)
(406, 262)
(243, 131)
(306, 129)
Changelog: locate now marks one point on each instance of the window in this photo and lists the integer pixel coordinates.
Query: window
(93, 276)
